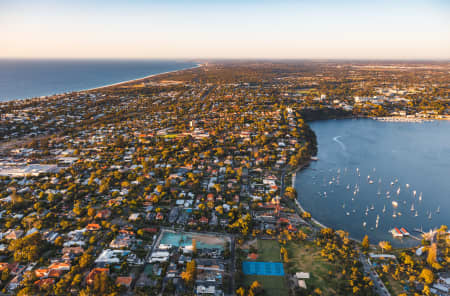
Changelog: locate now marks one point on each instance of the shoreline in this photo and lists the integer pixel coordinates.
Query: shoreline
(39, 98)
(297, 203)
(137, 79)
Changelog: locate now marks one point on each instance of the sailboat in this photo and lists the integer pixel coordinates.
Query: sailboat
(407, 185)
(364, 224)
(348, 187)
(420, 196)
(429, 216)
(394, 215)
(384, 209)
(372, 207)
(414, 193)
(438, 210)
(412, 208)
(416, 214)
(398, 191)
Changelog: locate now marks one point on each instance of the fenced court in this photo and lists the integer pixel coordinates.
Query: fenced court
(263, 268)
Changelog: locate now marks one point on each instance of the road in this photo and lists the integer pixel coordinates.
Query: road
(379, 287)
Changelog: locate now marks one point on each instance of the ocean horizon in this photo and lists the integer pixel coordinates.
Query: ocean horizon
(31, 78)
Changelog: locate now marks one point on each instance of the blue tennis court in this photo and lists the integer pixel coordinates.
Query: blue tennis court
(263, 268)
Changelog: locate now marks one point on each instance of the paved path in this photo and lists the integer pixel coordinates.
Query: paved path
(379, 287)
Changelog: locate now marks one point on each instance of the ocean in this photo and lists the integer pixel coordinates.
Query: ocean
(393, 172)
(28, 78)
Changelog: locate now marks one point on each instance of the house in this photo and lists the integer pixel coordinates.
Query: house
(41, 272)
(43, 283)
(206, 290)
(15, 283)
(93, 227)
(60, 266)
(103, 214)
(91, 276)
(14, 234)
(124, 281)
(302, 275)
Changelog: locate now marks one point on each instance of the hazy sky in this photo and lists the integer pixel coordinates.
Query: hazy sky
(225, 29)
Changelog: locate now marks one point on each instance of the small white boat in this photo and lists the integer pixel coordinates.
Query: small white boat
(399, 213)
(420, 196)
(429, 216)
(438, 210)
(412, 208)
(384, 209)
(364, 224)
(398, 191)
(394, 215)
(370, 181)
(348, 187)
(348, 213)
(372, 207)
(407, 185)
(416, 214)
(394, 204)
(414, 193)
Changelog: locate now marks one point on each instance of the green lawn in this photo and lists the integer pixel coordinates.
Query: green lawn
(272, 285)
(268, 250)
(394, 287)
(305, 256)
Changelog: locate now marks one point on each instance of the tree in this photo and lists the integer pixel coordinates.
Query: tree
(85, 260)
(189, 274)
(91, 212)
(365, 242)
(432, 252)
(427, 275)
(306, 215)
(240, 291)
(194, 246)
(385, 246)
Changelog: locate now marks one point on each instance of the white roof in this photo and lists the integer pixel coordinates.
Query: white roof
(302, 275)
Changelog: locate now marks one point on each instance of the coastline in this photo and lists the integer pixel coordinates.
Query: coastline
(136, 79)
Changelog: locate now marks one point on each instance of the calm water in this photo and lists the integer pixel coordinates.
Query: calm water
(365, 156)
(33, 78)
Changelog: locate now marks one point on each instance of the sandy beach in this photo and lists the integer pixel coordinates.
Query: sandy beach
(137, 80)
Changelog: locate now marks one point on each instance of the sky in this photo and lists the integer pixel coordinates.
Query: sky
(208, 29)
